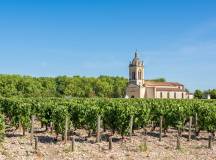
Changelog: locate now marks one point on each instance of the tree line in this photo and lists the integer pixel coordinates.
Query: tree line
(62, 86)
(76, 86)
(198, 94)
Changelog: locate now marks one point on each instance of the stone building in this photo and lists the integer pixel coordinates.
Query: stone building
(138, 87)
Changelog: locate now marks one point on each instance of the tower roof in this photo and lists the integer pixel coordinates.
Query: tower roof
(136, 60)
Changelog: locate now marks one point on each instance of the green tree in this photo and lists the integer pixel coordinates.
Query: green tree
(29, 87)
(103, 88)
(198, 94)
(62, 86)
(119, 87)
(8, 85)
(213, 93)
(48, 86)
(159, 80)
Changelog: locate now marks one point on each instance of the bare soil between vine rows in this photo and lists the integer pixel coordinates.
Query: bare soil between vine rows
(17, 147)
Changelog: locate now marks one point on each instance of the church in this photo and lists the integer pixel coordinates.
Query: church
(138, 87)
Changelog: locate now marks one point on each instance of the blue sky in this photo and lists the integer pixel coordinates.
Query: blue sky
(175, 38)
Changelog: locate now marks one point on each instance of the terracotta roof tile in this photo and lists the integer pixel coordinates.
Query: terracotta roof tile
(153, 83)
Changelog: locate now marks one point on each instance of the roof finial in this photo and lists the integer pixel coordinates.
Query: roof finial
(136, 54)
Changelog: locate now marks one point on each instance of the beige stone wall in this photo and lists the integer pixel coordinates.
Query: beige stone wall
(157, 95)
(190, 96)
(142, 92)
(133, 90)
(185, 95)
(150, 92)
(172, 95)
(179, 95)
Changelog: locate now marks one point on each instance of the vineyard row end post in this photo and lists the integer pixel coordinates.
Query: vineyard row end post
(161, 128)
(98, 129)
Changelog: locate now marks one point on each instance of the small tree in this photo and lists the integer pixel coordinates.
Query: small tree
(159, 80)
(213, 94)
(198, 94)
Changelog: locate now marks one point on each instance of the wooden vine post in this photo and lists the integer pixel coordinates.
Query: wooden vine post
(210, 141)
(36, 144)
(98, 129)
(32, 129)
(196, 124)
(178, 144)
(131, 127)
(66, 129)
(51, 127)
(110, 143)
(144, 130)
(72, 143)
(161, 128)
(152, 126)
(190, 126)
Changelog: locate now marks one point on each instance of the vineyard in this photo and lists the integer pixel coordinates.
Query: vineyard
(118, 116)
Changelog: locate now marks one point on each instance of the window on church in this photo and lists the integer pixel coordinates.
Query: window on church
(182, 95)
(140, 75)
(175, 95)
(161, 94)
(168, 94)
(133, 75)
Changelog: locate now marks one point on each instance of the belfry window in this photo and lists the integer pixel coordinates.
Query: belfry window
(140, 75)
(133, 75)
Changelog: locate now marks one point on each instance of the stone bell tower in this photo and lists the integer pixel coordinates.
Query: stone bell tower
(136, 71)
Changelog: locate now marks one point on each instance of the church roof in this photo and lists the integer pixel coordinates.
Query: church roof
(136, 60)
(154, 83)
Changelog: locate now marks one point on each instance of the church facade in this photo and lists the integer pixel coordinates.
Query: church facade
(138, 87)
